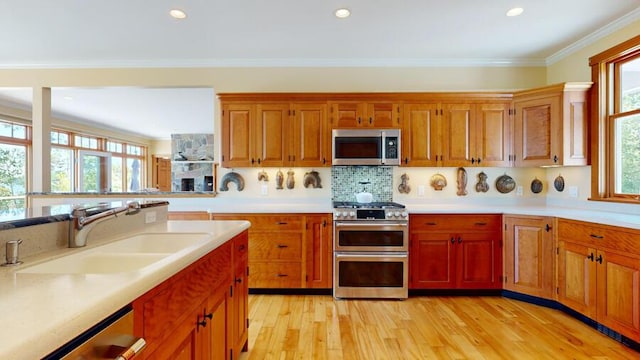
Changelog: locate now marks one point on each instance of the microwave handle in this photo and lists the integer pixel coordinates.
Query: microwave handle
(383, 160)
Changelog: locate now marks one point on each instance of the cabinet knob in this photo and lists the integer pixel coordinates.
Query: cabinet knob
(590, 257)
(599, 259)
(238, 280)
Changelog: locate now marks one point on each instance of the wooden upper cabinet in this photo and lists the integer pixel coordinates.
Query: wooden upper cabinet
(237, 134)
(550, 125)
(161, 173)
(493, 135)
(272, 130)
(420, 135)
(361, 114)
(458, 134)
(311, 140)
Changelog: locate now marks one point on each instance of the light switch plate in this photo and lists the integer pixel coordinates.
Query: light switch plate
(573, 191)
(150, 217)
(264, 189)
(420, 190)
(519, 190)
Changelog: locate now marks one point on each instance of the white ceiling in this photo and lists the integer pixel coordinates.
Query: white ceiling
(126, 33)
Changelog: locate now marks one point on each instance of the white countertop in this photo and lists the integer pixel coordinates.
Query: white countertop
(41, 312)
(595, 216)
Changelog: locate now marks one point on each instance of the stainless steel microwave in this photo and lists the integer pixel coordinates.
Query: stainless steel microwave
(366, 146)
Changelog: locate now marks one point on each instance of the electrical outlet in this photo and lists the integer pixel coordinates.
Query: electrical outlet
(264, 189)
(519, 190)
(420, 190)
(150, 217)
(573, 191)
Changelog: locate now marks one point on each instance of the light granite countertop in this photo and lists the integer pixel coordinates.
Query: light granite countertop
(41, 312)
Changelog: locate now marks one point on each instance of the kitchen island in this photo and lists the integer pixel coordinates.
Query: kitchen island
(41, 312)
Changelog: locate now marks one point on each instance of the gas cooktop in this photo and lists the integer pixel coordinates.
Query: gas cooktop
(371, 205)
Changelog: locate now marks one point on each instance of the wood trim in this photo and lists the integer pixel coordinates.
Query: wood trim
(619, 50)
(368, 97)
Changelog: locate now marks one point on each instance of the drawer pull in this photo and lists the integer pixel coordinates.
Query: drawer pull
(282, 223)
(280, 246)
(282, 275)
(481, 223)
(597, 236)
(431, 223)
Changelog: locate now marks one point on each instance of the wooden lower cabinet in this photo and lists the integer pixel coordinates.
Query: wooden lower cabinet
(455, 251)
(599, 274)
(529, 255)
(288, 251)
(190, 315)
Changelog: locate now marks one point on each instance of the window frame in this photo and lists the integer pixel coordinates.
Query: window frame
(606, 108)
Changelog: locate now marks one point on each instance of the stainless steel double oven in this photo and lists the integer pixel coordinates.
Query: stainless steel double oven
(371, 250)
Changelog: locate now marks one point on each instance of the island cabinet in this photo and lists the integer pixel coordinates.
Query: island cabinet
(358, 114)
(529, 255)
(599, 274)
(467, 133)
(186, 316)
(551, 125)
(273, 134)
(455, 251)
(288, 251)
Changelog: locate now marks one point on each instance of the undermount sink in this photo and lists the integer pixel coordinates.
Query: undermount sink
(126, 255)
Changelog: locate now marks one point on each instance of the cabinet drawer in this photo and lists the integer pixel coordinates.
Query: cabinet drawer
(581, 232)
(276, 223)
(455, 223)
(275, 246)
(275, 275)
(240, 248)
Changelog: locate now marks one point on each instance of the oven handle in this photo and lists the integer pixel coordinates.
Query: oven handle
(377, 223)
(398, 255)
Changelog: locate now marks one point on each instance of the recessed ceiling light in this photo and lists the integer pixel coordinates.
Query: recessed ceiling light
(343, 13)
(177, 13)
(515, 11)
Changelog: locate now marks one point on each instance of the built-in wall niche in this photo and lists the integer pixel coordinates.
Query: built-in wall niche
(192, 165)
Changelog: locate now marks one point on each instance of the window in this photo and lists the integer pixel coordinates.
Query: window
(14, 142)
(616, 126)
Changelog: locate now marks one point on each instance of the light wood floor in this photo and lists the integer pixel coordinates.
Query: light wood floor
(319, 327)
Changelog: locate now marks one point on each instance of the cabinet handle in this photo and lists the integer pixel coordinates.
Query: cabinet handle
(481, 223)
(324, 222)
(599, 259)
(406, 160)
(431, 223)
(459, 240)
(282, 223)
(241, 247)
(324, 161)
(258, 161)
(238, 280)
(547, 227)
(282, 275)
(280, 246)
(209, 316)
(555, 158)
(473, 161)
(359, 120)
(479, 160)
(202, 323)
(590, 257)
(597, 236)
(252, 161)
(370, 120)
(453, 241)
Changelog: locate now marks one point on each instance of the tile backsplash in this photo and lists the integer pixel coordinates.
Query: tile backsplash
(346, 182)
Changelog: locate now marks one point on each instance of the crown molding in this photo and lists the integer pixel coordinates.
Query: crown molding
(606, 30)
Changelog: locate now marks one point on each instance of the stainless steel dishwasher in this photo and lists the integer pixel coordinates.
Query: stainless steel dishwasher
(111, 339)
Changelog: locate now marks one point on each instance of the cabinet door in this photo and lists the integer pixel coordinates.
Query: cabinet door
(272, 130)
(319, 247)
(348, 115)
(214, 335)
(161, 173)
(383, 115)
(478, 260)
(458, 134)
(493, 135)
(237, 135)
(618, 278)
(528, 256)
(420, 135)
(311, 136)
(239, 326)
(538, 131)
(431, 261)
(577, 278)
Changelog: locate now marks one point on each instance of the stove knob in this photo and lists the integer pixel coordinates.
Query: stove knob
(345, 214)
(352, 213)
(396, 214)
(404, 214)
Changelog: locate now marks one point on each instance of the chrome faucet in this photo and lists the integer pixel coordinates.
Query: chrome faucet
(81, 224)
